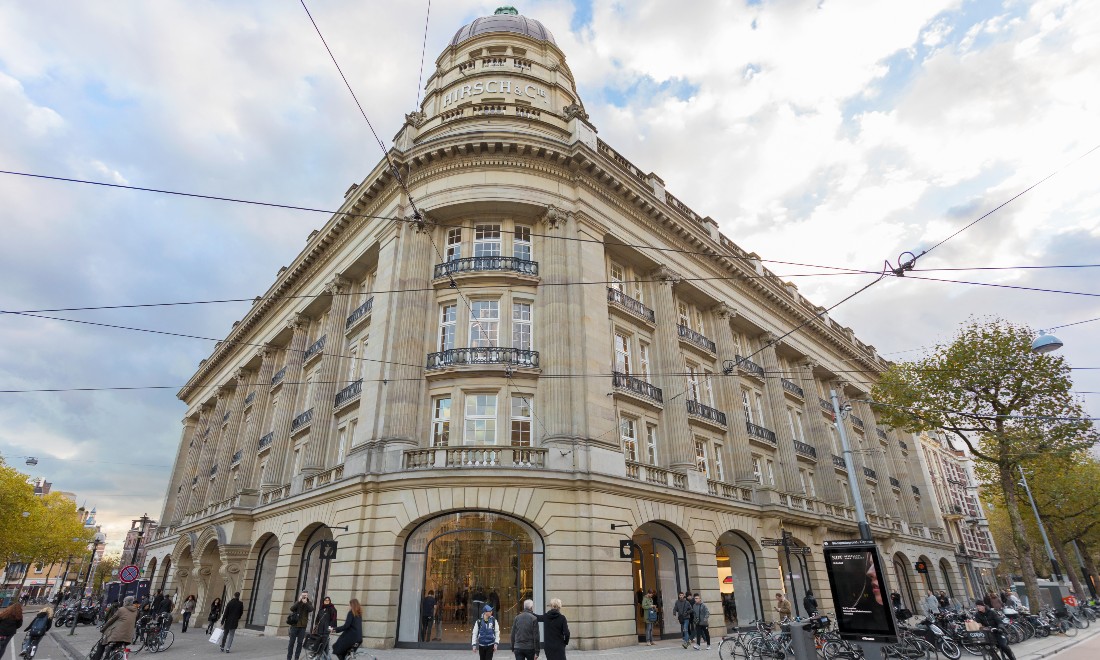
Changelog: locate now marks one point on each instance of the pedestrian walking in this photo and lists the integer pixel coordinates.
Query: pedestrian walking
(298, 620)
(782, 606)
(119, 629)
(214, 615)
(649, 611)
(700, 614)
(188, 609)
(11, 620)
(931, 604)
(351, 632)
(682, 610)
(525, 633)
(427, 613)
(234, 609)
(485, 637)
(809, 603)
(556, 631)
(943, 601)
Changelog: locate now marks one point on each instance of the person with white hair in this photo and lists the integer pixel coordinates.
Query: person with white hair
(525, 633)
(557, 631)
(119, 629)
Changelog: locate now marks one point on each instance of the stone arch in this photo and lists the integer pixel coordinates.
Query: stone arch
(182, 562)
(954, 590)
(904, 581)
(263, 561)
(739, 578)
(798, 574)
(165, 573)
(929, 580)
(663, 557)
(208, 569)
(151, 572)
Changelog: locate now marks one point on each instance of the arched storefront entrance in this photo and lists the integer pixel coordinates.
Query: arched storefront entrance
(926, 578)
(466, 560)
(660, 563)
(313, 570)
(165, 573)
(738, 581)
(795, 575)
(945, 575)
(263, 583)
(903, 585)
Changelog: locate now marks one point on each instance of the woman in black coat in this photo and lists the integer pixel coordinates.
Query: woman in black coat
(215, 612)
(556, 629)
(351, 633)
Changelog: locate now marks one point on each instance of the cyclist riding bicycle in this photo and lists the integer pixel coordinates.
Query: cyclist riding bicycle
(119, 629)
(990, 618)
(38, 627)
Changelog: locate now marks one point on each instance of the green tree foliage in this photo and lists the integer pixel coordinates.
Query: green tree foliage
(104, 570)
(16, 496)
(1006, 404)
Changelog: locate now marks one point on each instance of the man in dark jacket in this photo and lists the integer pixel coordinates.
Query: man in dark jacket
(682, 610)
(234, 609)
(525, 633)
(809, 603)
(299, 615)
(557, 631)
(991, 618)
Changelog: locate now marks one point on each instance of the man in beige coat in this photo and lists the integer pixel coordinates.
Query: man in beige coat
(119, 629)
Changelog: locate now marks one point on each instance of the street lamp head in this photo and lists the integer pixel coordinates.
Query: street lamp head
(1045, 343)
(32, 461)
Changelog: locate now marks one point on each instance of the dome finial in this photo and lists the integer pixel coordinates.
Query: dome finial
(506, 9)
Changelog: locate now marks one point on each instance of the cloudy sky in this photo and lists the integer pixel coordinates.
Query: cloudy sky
(835, 133)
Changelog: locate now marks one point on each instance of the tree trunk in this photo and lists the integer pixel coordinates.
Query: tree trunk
(1067, 563)
(1007, 474)
(1090, 566)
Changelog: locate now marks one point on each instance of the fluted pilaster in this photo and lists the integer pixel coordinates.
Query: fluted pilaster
(678, 450)
(328, 381)
(859, 457)
(260, 414)
(559, 323)
(179, 467)
(910, 509)
(739, 453)
(209, 448)
(777, 404)
(278, 464)
(818, 435)
(194, 451)
(230, 436)
(882, 467)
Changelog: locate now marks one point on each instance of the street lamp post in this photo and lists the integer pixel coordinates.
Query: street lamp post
(853, 485)
(144, 520)
(1042, 530)
(91, 560)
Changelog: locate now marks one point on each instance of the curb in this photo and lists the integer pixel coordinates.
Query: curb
(65, 647)
(1058, 649)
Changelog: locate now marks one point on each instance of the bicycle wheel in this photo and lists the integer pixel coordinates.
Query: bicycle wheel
(727, 650)
(835, 648)
(950, 649)
(1080, 621)
(1067, 629)
(166, 639)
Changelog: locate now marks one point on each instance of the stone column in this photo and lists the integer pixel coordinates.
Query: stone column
(261, 410)
(277, 463)
(229, 441)
(777, 404)
(903, 470)
(559, 323)
(194, 450)
(209, 447)
(678, 449)
(179, 467)
(818, 435)
(921, 480)
(234, 560)
(878, 460)
(328, 379)
(739, 456)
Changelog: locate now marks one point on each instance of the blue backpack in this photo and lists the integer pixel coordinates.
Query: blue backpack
(486, 631)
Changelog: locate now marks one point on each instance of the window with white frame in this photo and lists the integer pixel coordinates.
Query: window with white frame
(693, 381)
(297, 465)
(708, 387)
(454, 244)
(639, 291)
(801, 432)
(521, 243)
(747, 406)
(448, 317)
(651, 443)
(487, 240)
(758, 398)
(521, 325)
(629, 435)
(769, 464)
(481, 419)
(790, 425)
(521, 421)
(834, 439)
(643, 358)
(622, 353)
(616, 275)
(685, 314)
(757, 470)
(484, 323)
(353, 361)
(844, 492)
(806, 478)
(441, 421)
(701, 462)
(308, 400)
(719, 468)
(343, 440)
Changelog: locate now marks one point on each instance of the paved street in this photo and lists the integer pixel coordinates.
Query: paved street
(252, 646)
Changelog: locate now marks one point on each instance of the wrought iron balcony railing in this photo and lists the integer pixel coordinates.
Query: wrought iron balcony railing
(301, 420)
(696, 338)
(838, 461)
(621, 381)
(315, 348)
(895, 483)
(213, 470)
(484, 355)
(237, 457)
(249, 399)
(627, 303)
(487, 264)
(749, 366)
(266, 441)
(360, 312)
(706, 412)
(759, 432)
(868, 472)
(881, 434)
(805, 449)
(349, 393)
(856, 422)
(904, 446)
(826, 405)
(792, 388)
(225, 417)
(278, 377)
(916, 491)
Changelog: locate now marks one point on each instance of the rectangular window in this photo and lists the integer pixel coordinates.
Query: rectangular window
(484, 323)
(487, 241)
(481, 419)
(441, 421)
(639, 291)
(835, 439)
(651, 443)
(309, 392)
(719, 468)
(521, 326)
(737, 344)
(454, 244)
(643, 358)
(297, 466)
(341, 444)
(521, 243)
(844, 492)
(622, 353)
(616, 276)
(685, 314)
(521, 421)
(756, 470)
(708, 387)
(629, 437)
(747, 406)
(801, 435)
(770, 465)
(448, 315)
(693, 381)
(353, 362)
(760, 408)
(701, 462)
(790, 423)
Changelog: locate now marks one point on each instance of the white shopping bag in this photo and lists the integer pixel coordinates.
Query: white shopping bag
(216, 637)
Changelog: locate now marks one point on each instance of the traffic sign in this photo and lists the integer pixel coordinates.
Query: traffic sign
(128, 574)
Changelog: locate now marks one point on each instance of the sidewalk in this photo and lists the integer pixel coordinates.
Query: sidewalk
(250, 645)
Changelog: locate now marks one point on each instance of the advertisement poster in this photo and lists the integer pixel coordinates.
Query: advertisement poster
(860, 593)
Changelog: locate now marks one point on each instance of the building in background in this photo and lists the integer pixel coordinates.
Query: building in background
(139, 535)
(956, 489)
(556, 381)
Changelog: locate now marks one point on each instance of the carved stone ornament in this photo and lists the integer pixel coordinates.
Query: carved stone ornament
(574, 110)
(724, 311)
(416, 118)
(770, 338)
(665, 275)
(337, 285)
(297, 321)
(265, 352)
(223, 391)
(555, 217)
(242, 374)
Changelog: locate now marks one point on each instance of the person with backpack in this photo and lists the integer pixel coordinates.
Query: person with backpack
(298, 620)
(649, 613)
(39, 626)
(485, 637)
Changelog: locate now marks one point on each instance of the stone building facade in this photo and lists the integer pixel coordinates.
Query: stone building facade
(557, 381)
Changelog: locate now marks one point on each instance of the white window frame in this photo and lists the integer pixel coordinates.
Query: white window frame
(719, 466)
(769, 465)
(521, 243)
(448, 324)
(487, 240)
(524, 421)
(651, 444)
(702, 461)
(747, 405)
(684, 312)
(622, 352)
(523, 326)
(487, 421)
(757, 469)
(693, 381)
(616, 276)
(454, 244)
(441, 421)
(484, 330)
(628, 436)
(643, 358)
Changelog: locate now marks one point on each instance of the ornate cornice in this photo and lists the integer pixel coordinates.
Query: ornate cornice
(337, 285)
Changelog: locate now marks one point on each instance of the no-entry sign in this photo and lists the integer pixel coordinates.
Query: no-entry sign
(128, 574)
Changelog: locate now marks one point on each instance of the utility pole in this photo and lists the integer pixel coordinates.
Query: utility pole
(91, 561)
(1042, 531)
(853, 484)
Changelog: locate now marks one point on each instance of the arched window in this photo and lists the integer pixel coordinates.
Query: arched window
(263, 584)
(738, 581)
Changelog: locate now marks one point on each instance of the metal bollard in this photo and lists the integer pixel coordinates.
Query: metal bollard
(802, 641)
